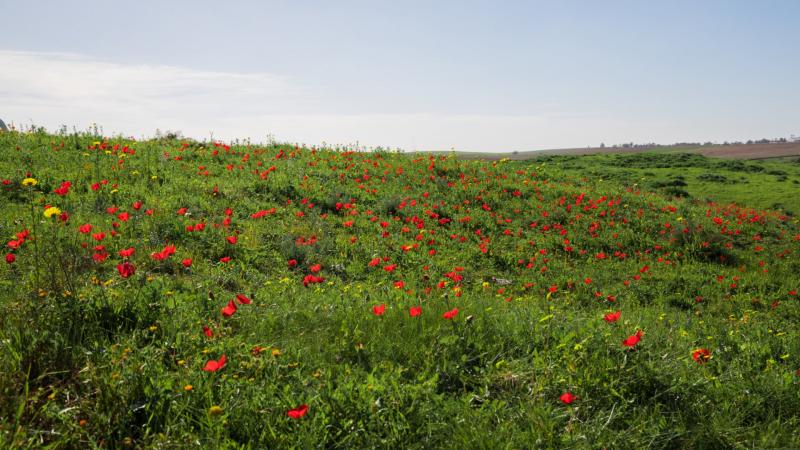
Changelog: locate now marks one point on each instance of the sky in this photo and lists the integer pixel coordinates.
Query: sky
(493, 76)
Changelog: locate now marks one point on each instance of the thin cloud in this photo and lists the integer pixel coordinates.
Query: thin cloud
(54, 89)
(59, 88)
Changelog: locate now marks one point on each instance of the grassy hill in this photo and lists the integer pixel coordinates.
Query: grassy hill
(182, 294)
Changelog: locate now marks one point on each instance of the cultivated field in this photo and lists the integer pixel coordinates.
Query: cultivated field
(170, 294)
(733, 151)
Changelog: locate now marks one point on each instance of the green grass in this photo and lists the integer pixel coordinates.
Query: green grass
(92, 359)
(758, 184)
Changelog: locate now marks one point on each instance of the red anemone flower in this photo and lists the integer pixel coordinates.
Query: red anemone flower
(126, 269)
(612, 317)
(229, 309)
(379, 310)
(450, 314)
(213, 366)
(567, 398)
(298, 412)
(632, 340)
(701, 355)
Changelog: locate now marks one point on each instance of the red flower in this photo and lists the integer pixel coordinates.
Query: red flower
(213, 366)
(232, 240)
(126, 253)
(612, 317)
(225, 259)
(399, 284)
(298, 412)
(374, 262)
(701, 355)
(450, 314)
(390, 267)
(229, 310)
(126, 269)
(292, 263)
(182, 211)
(243, 299)
(632, 340)
(187, 262)
(207, 331)
(168, 251)
(415, 311)
(137, 205)
(567, 398)
(315, 268)
(10, 258)
(379, 310)
(309, 279)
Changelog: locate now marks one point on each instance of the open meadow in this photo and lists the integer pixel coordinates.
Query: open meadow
(173, 294)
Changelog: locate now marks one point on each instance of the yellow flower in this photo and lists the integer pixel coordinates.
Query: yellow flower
(51, 211)
(29, 182)
(215, 410)
(188, 387)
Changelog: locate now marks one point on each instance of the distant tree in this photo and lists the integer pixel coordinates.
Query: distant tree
(602, 145)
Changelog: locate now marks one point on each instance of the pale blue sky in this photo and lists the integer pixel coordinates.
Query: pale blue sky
(489, 76)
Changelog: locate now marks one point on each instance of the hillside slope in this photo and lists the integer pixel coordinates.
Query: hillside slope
(168, 293)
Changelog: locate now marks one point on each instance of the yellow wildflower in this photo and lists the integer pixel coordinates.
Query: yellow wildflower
(29, 182)
(51, 211)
